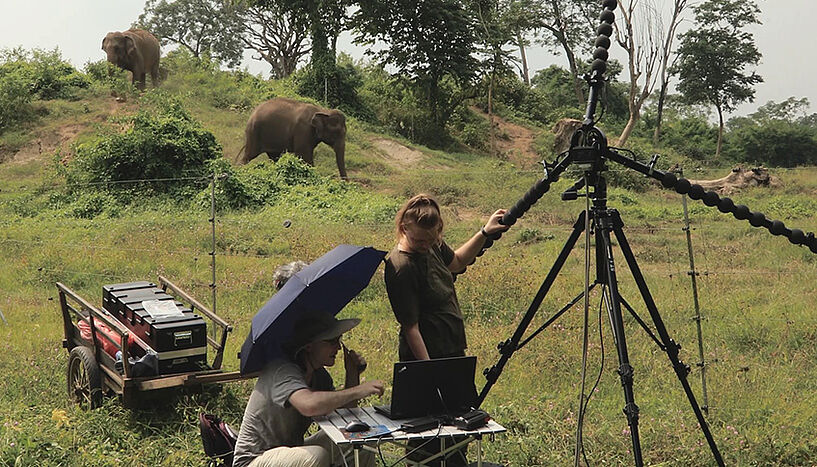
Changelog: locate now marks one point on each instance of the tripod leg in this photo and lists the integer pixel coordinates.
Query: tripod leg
(670, 347)
(625, 371)
(508, 347)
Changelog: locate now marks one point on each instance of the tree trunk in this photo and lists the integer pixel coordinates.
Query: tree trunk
(661, 98)
(490, 112)
(525, 75)
(625, 134)
(720, 132)
(574, 72)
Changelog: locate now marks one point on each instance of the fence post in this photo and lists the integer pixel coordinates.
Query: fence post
(213, 251)
(697, 318)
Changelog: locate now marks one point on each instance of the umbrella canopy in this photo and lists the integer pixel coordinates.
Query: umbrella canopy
(328, 284)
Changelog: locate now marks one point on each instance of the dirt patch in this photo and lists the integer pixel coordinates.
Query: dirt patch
(512, 142)
(47, 142)
(59, 135)
(397, 154)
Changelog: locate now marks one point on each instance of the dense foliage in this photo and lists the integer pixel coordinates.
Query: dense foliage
(161, 141)
(27, 76)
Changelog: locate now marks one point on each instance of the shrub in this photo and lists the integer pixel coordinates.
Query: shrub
(162, 141)
(203, 82)
(773, 142)
(15, 99)
(470, 129)
(292, 183)
(339, 90)
(47, 75)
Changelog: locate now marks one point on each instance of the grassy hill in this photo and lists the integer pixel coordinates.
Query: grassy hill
(757, 292)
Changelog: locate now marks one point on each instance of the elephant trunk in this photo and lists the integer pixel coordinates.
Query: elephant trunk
(340, 155)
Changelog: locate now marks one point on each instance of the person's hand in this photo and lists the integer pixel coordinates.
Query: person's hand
(493, 226)
(353, 361)
(370, 388)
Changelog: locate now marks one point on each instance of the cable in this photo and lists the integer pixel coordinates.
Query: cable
(585, 339)
(437, 436)
(601, 364)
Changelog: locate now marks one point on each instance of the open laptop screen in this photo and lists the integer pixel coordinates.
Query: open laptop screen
(440, 386)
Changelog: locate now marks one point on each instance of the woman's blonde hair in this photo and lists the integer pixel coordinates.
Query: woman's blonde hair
(421, 210)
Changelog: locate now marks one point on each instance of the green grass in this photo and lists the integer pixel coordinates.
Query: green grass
(756, 295)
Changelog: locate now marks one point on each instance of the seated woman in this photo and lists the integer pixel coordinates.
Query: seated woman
(291, 390)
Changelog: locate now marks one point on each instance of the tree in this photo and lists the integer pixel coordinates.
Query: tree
(678, 8)
(713, 58)
(278, 36)
(638, 32)
(202, 26)
(325, 19)
(494, 31)
(426, 41)
(571, 29)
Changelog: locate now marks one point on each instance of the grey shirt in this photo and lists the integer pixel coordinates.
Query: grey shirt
(270, 420)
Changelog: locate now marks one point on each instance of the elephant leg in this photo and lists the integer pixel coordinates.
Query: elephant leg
(274, 156)
(138, 80)
(154, 75)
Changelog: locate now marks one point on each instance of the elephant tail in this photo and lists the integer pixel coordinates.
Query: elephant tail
(238, 159)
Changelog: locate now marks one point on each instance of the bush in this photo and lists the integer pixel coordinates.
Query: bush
(339, 91)
(15, 99)
(472, 130)
(292, 183)
(203, 82)
(161, 141)
(777, 143)
(47, 75)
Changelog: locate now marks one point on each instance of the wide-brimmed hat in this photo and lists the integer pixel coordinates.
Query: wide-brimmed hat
(317, 326)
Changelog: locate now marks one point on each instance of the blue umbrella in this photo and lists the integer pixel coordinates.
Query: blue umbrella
(328, 284)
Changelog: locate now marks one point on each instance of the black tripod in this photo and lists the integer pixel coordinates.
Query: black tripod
(604, 222)
(589, 152)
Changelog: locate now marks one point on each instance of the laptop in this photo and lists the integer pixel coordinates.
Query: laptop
(440, 386)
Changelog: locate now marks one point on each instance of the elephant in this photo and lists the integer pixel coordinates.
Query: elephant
(281, 124)
(135, 50)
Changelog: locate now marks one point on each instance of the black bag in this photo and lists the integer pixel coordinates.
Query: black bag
(218, 439)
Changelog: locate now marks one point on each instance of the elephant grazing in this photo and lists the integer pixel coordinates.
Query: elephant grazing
(280, 125)
(134, 50)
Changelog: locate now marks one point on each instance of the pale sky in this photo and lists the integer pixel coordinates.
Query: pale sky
(785, 39)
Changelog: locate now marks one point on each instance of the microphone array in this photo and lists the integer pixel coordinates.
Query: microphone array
(740, 211)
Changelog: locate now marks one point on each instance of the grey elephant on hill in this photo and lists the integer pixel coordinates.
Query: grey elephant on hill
(134, 50)
(285, 125)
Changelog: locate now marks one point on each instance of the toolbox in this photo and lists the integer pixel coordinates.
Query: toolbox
(180, 340)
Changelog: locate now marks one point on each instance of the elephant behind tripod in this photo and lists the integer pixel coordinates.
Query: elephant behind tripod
(285, 125)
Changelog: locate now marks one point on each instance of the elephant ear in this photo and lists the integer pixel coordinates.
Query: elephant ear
(319, 122)
(130, 47)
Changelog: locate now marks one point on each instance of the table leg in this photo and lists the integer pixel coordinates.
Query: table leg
(479, 451)
(442, 449)
(357, 456)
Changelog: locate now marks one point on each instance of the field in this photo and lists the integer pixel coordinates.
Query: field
(756, 295)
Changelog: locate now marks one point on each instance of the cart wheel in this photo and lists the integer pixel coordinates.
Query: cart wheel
(84, 379)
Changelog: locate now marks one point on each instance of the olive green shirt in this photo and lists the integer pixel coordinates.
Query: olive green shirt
(421, 291)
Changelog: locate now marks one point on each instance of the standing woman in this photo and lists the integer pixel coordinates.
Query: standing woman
(420, 282)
